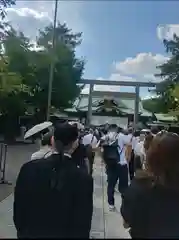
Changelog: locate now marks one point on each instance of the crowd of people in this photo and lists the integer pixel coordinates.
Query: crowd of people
(54, 191)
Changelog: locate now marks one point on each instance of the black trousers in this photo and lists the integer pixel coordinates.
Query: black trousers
(131, 166)
(113, 174)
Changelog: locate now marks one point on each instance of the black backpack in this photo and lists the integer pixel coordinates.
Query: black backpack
(111, 153)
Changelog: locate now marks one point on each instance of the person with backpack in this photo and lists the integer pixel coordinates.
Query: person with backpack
(54, 198)
(90, 141)
(116, 164)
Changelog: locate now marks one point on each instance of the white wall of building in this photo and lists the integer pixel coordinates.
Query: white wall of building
(100, 120)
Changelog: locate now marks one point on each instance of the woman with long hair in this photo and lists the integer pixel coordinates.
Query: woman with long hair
(153, 210)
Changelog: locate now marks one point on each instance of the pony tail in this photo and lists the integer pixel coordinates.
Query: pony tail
(58, 159)
(60, 149)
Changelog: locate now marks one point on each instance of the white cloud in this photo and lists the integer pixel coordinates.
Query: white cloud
(140, 68)
(30, 16)
(166, 31)
(144, 64)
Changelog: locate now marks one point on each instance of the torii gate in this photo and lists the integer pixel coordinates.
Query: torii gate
(135, 84)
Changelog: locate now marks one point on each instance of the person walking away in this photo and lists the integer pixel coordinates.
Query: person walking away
(90, 142)
(153, 212)
(116, 164)
(154, 130)
(140, 181)
(109, 143)
(54, 198)
(45, 148)
(79, 156)
(97, 134)
(130, 152)
(139, 151)
(123, 142)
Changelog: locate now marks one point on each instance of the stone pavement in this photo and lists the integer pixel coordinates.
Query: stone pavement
(7, 229)
(105, 224)
(16, 156)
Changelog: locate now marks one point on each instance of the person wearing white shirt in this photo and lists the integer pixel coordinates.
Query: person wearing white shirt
(90, 139)
(45, 148)
(133, 142)
(119, 170)
(90, 142)
(123, 141)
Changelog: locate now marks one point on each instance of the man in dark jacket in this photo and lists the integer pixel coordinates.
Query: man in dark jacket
(80, 157)
(54, 198)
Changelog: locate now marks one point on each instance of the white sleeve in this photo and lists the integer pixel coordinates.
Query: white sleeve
(134, 140)
(103, 137)
(139, 150)
(120, 140)
(85, 140)
(126, 139)
(95, 141)
(35, 156)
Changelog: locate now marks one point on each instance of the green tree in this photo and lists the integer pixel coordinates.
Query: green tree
(11, 91)
(12, 104)
(169, 74)
(154, 105)
(63, 35)
(33, 66)
(3, 5)
(68, 69)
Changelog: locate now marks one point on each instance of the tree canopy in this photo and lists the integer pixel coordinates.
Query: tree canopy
(169, 75)
(154, 105)
(5, 4)
(30, 68)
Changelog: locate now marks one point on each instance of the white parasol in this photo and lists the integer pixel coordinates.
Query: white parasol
(37, 128)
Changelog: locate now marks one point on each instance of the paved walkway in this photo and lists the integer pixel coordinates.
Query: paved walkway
(105, 224)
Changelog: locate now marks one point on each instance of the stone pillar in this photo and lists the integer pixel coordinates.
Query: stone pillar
(90, 99)
(136, 107)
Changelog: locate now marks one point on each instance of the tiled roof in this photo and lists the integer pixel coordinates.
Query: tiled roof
(165, 117)
(126, 106)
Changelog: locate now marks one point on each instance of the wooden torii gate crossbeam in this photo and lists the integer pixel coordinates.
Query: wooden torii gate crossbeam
(135, 84)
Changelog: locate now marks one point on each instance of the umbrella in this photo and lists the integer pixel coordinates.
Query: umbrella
(79, 125)
(37, 128)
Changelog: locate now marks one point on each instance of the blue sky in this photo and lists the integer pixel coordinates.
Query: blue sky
(122, 40)
(122, 29)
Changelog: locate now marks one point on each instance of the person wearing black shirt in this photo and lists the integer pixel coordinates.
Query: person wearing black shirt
(80, 157)
(53, 198)
(150, 209)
